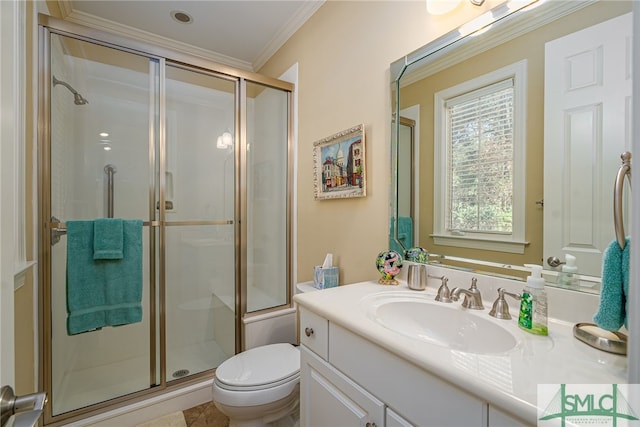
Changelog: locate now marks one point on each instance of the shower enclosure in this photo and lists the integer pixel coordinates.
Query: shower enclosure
(199, 153)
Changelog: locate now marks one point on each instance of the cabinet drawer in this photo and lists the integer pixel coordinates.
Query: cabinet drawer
(314, 332)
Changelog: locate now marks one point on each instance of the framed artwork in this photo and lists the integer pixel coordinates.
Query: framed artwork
(339, 165)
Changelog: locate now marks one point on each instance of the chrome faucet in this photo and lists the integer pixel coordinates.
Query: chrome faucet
(500, 309)
(444, 294)
(472, 297)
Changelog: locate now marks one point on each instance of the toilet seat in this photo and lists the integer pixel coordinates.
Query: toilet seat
(259, 376)
(260, 368)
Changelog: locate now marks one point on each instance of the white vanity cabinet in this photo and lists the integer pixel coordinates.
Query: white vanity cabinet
(329, 398)
(347, 380)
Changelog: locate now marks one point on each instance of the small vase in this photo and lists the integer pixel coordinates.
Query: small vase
(388, 264)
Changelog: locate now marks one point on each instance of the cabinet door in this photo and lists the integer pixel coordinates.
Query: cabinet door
(329, 399)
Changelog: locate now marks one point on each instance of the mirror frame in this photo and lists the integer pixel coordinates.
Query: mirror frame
(495, 27)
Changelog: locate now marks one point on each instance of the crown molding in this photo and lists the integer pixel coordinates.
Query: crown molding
(88, 20)
(453, 47)
(66, 8)
(286, 32)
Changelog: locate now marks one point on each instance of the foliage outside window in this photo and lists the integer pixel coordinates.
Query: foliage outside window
(479, 178)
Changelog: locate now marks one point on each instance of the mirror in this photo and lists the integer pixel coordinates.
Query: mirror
(570, 153)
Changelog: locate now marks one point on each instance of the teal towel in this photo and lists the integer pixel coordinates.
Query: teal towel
(107, 238)
(612, 312)
(102, 292)
(405, 234)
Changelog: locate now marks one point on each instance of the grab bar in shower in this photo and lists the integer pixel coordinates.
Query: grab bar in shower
(110, 170)
(618, 220)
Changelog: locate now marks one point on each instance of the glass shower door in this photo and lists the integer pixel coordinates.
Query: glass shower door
(102, 103)
(199, 240)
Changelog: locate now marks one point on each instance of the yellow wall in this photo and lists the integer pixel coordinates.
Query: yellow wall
(343, 54)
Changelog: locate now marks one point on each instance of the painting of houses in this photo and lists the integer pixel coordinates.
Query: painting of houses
(339, 165)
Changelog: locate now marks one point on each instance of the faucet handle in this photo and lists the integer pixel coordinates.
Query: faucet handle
(500, 309)
(444, 294)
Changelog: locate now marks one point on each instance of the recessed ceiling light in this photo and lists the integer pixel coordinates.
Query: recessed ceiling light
(104, 134)
(181, 17)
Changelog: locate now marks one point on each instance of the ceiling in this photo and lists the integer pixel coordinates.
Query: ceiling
(239, 33)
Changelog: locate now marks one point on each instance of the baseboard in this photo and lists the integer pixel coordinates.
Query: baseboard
(155, 407)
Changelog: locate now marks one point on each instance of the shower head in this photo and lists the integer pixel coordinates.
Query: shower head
(77, 98)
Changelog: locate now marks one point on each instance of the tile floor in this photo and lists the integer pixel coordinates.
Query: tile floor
(205, 415)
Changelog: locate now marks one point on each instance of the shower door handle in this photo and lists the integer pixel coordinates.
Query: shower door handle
(56, 231)
(168, 205)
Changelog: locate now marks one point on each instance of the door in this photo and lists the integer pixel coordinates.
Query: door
(587, 122)
(137, 137)
(198, 242)
(102, 157)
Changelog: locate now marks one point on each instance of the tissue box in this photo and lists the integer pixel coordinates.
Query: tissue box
(325, 277)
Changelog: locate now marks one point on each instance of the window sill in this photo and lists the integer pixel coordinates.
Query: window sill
(510, 246)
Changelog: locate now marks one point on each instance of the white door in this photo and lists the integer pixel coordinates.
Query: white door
(587, 127)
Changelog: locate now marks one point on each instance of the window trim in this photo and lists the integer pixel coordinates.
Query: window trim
(514, 242)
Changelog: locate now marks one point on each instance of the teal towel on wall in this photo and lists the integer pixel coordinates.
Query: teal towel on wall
(108, 237)
(612, 312)
(104, 292)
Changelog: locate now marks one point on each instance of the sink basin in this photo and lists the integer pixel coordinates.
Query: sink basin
(446, 325)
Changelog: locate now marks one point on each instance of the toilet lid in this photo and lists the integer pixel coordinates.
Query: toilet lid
(260, 365)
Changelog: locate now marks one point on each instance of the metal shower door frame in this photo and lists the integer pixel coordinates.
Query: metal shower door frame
(49, 227)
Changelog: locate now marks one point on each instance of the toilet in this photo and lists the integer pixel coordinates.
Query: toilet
(260, 387)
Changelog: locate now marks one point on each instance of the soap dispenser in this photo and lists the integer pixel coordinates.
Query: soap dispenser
(568, 277)
(533, 305)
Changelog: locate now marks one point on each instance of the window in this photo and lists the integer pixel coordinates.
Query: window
(479, 177)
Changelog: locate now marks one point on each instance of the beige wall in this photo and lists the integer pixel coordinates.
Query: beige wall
(343, 53)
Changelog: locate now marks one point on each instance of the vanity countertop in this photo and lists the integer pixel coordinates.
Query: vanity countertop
(507, 380)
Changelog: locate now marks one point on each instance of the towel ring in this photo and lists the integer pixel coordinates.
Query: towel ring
(618, 219)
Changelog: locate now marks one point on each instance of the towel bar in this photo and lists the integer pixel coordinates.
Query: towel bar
(618, 219)
(59, 228)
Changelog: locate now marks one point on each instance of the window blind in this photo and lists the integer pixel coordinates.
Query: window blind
(480, 128)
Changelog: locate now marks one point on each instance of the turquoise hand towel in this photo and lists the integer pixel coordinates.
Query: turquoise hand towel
(612, 311)
(107, 238)
(102, 292)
